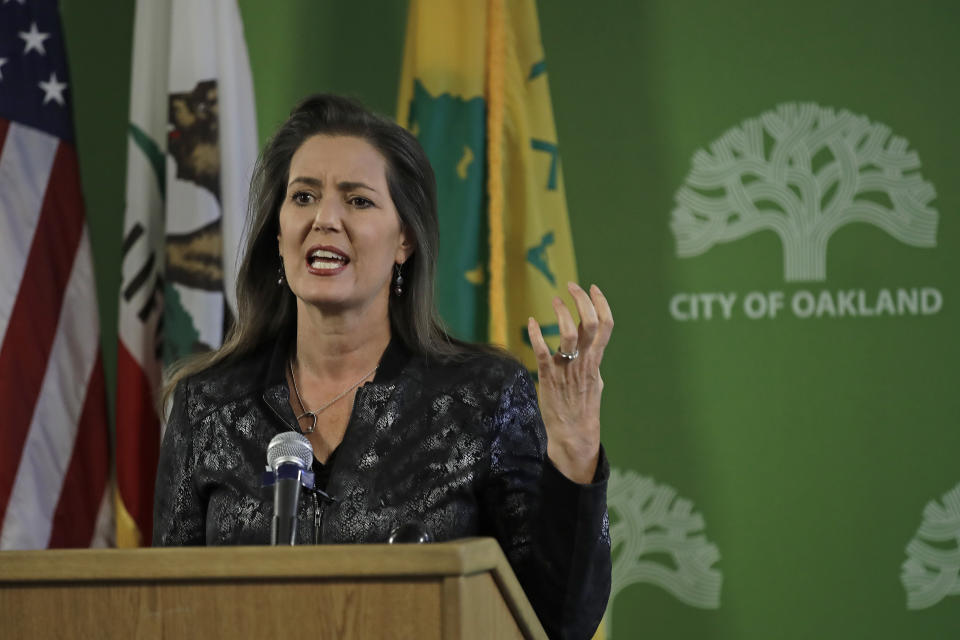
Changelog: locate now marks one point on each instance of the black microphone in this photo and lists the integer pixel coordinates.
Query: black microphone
(289, 457)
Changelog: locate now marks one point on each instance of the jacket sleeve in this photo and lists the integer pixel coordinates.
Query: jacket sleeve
(554, 532)
(178, 514)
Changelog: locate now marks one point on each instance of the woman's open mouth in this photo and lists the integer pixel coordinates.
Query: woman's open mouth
(326, 260)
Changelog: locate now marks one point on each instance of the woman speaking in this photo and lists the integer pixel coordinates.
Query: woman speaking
(337, 337)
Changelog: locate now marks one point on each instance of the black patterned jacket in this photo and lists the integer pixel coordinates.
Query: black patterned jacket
(458, 448)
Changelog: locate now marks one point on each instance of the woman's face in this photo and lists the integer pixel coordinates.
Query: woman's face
(340, 234)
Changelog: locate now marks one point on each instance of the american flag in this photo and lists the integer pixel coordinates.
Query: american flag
(54, 453)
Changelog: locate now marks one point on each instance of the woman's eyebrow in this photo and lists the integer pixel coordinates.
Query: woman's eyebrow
(350, 185)
(345, 185)
(313, 182)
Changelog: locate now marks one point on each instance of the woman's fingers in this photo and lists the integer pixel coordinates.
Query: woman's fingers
(570, 387)
(539, 345)
(590, 337)
(604, 317)
(587, 313)
(569, 336)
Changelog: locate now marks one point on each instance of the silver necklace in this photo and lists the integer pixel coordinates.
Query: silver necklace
(313, 414)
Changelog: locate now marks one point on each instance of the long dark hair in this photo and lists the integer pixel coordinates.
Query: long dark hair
(267, 311)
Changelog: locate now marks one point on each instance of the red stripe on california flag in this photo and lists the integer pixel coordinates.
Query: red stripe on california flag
(138, 441)
(33, 320)
(4, 126)
(83, 486)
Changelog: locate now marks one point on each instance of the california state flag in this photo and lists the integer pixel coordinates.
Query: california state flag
(192, 144)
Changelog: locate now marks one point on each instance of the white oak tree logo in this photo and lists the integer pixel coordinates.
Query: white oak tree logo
(931, 571)
(803, 171)
(649, 521)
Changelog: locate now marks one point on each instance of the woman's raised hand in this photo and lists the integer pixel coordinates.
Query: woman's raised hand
(570, 382)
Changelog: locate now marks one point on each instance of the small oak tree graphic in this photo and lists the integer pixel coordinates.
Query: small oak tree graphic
(656, 539)
(803, 171)
(931, 571)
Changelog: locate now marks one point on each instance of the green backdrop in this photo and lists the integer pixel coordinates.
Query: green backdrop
(802, 450)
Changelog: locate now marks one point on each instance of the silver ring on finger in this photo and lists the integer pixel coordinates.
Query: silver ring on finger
(568, 357)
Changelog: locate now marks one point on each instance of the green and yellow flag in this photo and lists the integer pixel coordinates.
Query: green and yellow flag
(474, 91)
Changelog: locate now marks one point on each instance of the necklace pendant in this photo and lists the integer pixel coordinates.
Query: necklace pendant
(313, 427)
(324, 407)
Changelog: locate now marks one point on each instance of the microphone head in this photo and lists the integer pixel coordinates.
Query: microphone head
(413, 531)
(289, 447)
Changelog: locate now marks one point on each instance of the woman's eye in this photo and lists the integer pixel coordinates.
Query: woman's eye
(302, 197)
(360, 202)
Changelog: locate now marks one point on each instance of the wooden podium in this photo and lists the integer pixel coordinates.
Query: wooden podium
(449, 590)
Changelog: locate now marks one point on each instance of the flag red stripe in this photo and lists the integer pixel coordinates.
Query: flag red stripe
(33, 320)
(138, 441)
(4, 126)
(76, 515)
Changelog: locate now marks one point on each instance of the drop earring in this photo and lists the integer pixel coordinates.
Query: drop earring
(397, 281)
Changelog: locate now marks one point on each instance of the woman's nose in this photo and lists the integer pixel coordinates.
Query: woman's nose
(327, 216)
